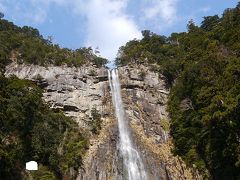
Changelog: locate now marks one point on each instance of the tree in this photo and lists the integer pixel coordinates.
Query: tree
(1, 15)
(146, 34)
(191, 26)
(210, 22)
(238, 5)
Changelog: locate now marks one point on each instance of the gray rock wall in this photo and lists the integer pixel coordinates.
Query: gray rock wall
(78, 90)
(74, 90)
(145, 97)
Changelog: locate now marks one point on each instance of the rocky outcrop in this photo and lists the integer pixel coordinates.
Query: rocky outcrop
(76, 91)
(145, 96)
(145, 100)
(103, 160)
(73, 90)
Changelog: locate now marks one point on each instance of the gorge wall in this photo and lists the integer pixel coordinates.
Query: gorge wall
(76, 91)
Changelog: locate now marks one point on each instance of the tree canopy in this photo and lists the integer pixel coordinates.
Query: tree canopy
(26, 45)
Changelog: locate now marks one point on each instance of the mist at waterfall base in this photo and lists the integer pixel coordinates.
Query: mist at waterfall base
(131, 158)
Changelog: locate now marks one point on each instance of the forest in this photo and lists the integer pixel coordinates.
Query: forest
(202, 68)
(26, 45)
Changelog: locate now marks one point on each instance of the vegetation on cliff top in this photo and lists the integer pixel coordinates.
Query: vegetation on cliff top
(30, 131)
(26, 45)
(203, 68)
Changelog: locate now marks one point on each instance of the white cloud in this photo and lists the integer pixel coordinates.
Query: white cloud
(108, 26)
(165, 9)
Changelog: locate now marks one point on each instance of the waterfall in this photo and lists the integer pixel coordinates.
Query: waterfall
(131, 158)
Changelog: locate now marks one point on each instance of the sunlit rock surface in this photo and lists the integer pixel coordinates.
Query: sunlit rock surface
(76, 91)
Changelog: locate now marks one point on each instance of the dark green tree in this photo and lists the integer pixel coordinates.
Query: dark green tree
(1, 15)
(210, 22)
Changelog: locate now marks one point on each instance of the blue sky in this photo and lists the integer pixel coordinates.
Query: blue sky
(108, 24)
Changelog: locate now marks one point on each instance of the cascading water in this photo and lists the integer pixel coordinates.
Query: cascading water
(131, 157)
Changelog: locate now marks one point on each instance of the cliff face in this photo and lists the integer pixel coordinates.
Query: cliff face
(77, 91)
(145, 96)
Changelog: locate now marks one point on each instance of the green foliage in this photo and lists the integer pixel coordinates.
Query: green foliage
(92, 72)
(43, 173)
(26, 45)
(204, 63)
(1, 15)
(165, 124)
(210, 22)
(96, 121)
(30, 131)
(153, 49)
(191, 26)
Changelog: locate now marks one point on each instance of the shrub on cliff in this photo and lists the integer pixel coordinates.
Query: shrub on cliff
(96, 121)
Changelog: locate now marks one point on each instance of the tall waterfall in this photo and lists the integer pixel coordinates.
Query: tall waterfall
(131, 158)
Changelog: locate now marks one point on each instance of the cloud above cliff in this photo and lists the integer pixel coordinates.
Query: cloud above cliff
(108, 26)
(164, 9)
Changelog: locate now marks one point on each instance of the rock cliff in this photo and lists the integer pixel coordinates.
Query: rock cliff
(145, 96)
(76, 91)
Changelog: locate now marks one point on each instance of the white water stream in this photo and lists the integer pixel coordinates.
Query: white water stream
(131, 158)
